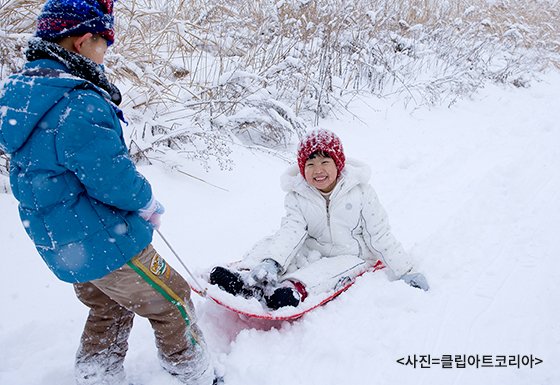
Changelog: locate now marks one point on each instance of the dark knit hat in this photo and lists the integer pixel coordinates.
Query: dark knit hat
(63, 18)
(321, 140)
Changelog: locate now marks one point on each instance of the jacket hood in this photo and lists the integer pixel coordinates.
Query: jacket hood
(354, 172)
(44, 80)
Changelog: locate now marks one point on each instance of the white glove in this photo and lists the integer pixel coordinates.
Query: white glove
(265, 273)
(151, 213)
(415, 279)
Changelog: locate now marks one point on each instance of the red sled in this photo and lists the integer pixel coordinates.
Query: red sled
(253, 308)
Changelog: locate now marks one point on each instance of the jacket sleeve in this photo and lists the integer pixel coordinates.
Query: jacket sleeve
(90, 144)
(291, 235)
(378, 236)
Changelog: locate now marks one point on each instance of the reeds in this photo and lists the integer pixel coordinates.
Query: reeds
(198, 75)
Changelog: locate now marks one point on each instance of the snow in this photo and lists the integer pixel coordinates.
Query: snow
(472, 192)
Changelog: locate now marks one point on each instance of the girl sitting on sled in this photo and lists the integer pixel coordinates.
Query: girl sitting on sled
(333, 230)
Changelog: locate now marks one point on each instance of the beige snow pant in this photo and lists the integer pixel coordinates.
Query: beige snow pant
(149, 287)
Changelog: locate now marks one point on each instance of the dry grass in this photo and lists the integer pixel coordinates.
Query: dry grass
(196, 74)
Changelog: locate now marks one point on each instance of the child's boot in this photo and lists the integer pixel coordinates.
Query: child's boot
(283, 296)
(227, 280)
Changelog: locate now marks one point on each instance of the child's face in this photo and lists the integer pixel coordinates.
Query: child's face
(321, 173)
(94, 48)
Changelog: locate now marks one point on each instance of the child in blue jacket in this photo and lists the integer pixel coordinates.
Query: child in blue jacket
(87, 209)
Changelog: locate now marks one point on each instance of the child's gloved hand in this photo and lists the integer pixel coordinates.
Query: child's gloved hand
(265, 273)
(415, 279)
(152, 213)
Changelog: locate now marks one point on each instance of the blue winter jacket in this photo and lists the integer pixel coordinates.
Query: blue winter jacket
(77, 188)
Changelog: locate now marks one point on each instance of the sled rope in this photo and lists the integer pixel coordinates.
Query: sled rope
(202, 291)
(202, 180)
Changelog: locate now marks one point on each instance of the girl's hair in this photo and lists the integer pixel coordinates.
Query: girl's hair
(324, 154)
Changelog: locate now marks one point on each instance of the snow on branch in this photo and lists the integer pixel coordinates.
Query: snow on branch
(199, 76)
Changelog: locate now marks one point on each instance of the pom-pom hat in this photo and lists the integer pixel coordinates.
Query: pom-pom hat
(321, 140)
(63, 18)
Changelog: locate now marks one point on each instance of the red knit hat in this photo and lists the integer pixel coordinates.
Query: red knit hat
(321, 140)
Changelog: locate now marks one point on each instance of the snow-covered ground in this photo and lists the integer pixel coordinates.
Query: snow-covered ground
(472, 191)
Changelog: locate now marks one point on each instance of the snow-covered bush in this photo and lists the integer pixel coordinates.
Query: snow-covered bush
(200, 75)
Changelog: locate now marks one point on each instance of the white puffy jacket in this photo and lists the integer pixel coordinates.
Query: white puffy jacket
(354, 223)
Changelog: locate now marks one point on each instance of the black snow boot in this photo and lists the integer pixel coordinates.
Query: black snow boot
(227, 280)
(283, 296)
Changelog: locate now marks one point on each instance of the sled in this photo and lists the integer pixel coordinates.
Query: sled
(253, 308)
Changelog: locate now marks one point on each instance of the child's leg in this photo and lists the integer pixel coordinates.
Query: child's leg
(104, 343)
(255, 256)
(152, 289)
(327, 273)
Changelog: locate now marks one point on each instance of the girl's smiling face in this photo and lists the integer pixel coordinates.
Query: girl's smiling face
(321, 173)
